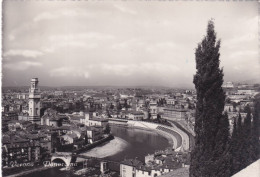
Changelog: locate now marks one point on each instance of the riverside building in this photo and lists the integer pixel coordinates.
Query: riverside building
(174, 114)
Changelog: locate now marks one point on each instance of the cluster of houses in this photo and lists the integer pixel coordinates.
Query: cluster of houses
(132, 104)
(24, 141)
(157, 164)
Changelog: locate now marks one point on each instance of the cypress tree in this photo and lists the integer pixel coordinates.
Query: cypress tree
(245, 140)
(222, 165)
(240, 139)
(254, 141)
(245, 147)
(234, 132)
(239, 125)
(235, 146)
(209, 156)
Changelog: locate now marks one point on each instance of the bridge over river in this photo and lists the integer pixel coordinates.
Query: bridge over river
(70, 158)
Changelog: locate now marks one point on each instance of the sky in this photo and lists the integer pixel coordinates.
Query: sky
(124, 43)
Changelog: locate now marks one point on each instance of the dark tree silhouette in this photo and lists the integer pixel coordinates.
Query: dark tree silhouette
(254, 139)
(210, 156)
(235, 145)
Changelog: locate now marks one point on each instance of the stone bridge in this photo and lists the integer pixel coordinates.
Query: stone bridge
(66, 157)
(69, 158)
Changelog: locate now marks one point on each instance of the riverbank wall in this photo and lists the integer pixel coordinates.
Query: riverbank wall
(178, 145)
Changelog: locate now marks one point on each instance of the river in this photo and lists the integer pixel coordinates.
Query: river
(139, 143)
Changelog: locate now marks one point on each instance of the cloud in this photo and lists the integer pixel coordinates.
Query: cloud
(245, 54)
(11, 37)
(246, 34)
(139, 68)
(83, 36)
(160, 68)
(252, 23)
(21, 66)
(61, 14)
(83, 40)
(45, 16)
(118, 69)
(145, 44)
(168, 44)
(70, 71)
(126, 44)
(167, 23)
(32, 25)
(76, 44)
(123, 41)
(162, 46)
(240, 40)
(124, 9)
(24, 53)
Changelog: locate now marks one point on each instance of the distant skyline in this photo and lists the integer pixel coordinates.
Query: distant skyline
(115, 43)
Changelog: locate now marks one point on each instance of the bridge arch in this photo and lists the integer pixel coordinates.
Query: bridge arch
(61, 161)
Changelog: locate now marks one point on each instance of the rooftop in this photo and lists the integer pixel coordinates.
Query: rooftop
(99, 119)
(132, 162)
(181, 172)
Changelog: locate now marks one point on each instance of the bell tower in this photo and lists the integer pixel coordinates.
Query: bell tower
(34, 102)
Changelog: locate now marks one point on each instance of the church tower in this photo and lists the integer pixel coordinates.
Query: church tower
(34, 102)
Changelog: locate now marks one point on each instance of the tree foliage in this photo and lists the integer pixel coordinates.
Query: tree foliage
(245, 147)
(254, 138)
(210, 156)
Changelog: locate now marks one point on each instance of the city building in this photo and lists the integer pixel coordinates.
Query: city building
(135, 168)
(13, 115)
(69, 138)
(52, 118)
(153, 109)
(58, 93)
(94, 121)
(171, 101)
(128, 167)
(174, 114)
(228, 85)
(19, 150)
(136, 115)
(34, 102)
(94, 133)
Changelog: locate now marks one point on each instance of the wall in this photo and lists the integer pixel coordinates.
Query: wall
(148, 125)
(153, 126)
(126, 171)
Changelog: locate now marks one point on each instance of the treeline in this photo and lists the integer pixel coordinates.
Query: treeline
(244, 143)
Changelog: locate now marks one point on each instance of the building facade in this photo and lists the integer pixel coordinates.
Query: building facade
(34, 102)
(174, 114)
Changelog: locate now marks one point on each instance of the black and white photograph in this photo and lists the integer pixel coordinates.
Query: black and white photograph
(130, 88)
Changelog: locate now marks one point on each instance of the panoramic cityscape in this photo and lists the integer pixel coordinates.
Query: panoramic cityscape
(130, 89)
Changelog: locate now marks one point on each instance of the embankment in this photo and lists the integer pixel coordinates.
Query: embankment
(179, 138)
